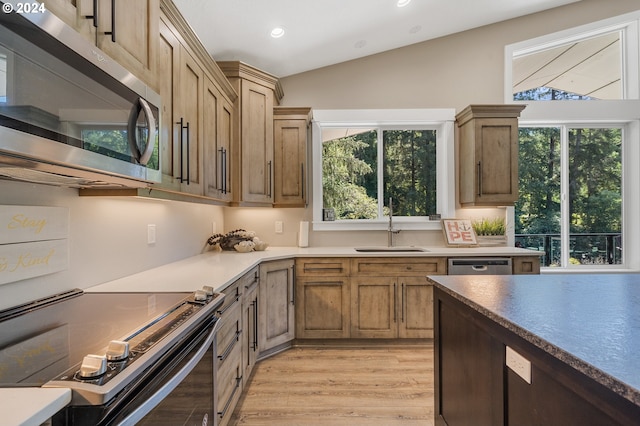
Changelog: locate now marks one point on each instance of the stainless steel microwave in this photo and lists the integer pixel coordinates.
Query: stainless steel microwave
(69, 114)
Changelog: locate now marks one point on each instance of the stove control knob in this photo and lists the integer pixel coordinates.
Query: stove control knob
(117, 350)
(200, 296)
(208, 289)
(93, 366)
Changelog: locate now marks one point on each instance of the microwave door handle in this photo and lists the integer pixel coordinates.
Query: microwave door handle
(151, 133)
(141, 157)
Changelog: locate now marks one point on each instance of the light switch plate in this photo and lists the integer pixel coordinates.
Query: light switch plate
(151, 234)
(519, 364)
(278, 227)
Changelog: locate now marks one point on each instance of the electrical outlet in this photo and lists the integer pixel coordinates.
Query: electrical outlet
(151, 234)
(519, 364)
(279, 227)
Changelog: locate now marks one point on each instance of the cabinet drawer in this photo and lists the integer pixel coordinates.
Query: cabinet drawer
(249, 281)
(404, 266)
(322, 267)
(228, 336)
(233, 295)
(229, 385)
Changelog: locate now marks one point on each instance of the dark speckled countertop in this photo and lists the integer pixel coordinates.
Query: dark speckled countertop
(591, 322)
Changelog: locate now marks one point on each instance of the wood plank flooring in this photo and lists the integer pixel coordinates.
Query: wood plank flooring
(308, 386)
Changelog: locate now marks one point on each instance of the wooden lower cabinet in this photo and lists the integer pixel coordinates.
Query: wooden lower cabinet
(323, 308)
(276, 310)
(228, 363)
(250, 281)
(383, 298)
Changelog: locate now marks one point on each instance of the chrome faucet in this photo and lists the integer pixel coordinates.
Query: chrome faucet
(391, 231)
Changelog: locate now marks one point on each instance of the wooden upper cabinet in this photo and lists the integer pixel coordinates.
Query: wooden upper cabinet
(78, 14)
(218, 125)
(125, 30)
(488, 155)
(291, 137)
(197, 115)
(252, 146)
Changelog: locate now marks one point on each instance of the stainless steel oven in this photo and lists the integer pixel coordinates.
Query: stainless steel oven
(129, 358)
(68, 110)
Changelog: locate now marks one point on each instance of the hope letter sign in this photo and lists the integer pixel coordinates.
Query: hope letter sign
(459, 232)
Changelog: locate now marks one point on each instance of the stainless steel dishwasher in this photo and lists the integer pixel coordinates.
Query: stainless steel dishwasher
(479, 266)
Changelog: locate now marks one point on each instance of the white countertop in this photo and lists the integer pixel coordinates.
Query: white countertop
(219, 269)
(31, 406)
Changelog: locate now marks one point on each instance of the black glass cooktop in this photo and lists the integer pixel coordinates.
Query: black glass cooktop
(40, 342)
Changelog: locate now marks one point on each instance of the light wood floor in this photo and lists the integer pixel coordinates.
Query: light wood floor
(309, 386)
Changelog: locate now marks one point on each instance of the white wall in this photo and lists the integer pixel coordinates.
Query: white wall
(449, 72)
(108, 236)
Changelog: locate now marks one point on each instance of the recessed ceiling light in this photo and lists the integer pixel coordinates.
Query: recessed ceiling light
(277, 32)
(403, 3)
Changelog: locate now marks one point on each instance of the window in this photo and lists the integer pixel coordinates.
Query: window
(365, 162)
(586, 164)
(579, 153)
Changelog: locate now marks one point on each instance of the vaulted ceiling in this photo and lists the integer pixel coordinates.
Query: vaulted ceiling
(319, 33)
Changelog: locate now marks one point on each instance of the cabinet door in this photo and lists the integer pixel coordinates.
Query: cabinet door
(497, 160)
(250, 329)
(323, 308)
(276, 304)
(168, 69)
(416, 308)
(78, 14)
(290, 159)
(257, 142)
(217, 124)
(374, 307)
(127, 32)
(188, 125)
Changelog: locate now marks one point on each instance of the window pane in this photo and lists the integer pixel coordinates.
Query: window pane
(595, 200)
(349, 172)
(586, 69)
(410, 171)
(537, 211)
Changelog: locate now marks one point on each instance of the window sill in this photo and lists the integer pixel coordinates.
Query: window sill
(341, 225)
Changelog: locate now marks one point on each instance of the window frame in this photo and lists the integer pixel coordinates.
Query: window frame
(593, 113)
(629, 27)
(441, 120)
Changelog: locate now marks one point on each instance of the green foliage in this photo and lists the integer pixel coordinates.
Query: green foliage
(343, 173)
(493, 226)
(410, 171)
(350, 177)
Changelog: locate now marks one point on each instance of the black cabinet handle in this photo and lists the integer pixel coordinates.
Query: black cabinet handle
(95, 14)
(230, 347)
(270, 168)
(302, 180)
(228, 403)
(479, 178)
(182, 177)
(395, 304)
(112, 33)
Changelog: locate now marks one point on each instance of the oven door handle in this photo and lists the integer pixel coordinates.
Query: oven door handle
(155, 399)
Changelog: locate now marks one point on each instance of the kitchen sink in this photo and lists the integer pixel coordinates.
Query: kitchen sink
(398, 249)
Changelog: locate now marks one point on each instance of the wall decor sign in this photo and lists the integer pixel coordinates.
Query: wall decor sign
(33, 241)
(459, 233)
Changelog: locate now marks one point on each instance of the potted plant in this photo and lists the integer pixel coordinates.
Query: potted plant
(490, 231)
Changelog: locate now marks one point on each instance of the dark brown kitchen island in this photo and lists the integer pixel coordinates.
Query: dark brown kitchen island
(571, 343)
